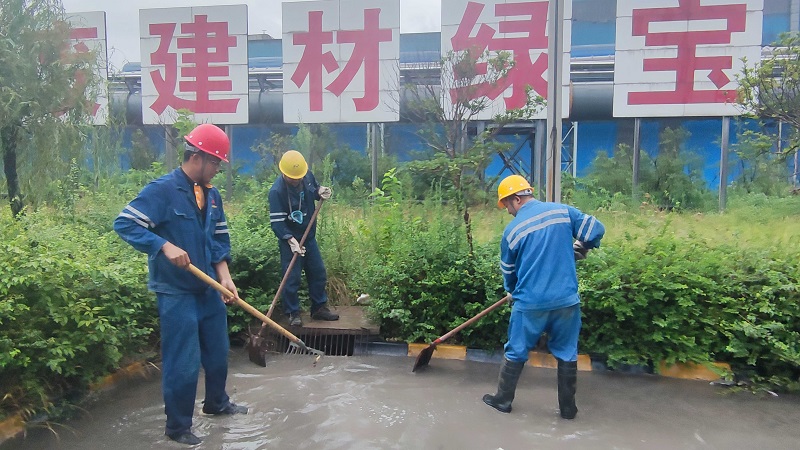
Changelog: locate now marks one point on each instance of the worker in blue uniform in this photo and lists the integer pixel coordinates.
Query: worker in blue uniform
(537, 259)
(178, 219)
(291, 204)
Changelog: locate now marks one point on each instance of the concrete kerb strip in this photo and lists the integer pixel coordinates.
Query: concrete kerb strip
(14, 426)
(11, 427)
(687, 371)
(459, 352)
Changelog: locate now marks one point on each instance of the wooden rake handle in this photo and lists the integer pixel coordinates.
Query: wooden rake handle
(246, 306)
(472, 320)
(294, 260)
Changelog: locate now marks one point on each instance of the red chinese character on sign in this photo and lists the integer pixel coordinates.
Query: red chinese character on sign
(525, 72)
(687, 63)
(202, 65)
(314, 60)
(81, 78)
(366, 54)
(68, 55)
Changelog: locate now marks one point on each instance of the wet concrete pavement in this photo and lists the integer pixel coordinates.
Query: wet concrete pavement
(375, 402)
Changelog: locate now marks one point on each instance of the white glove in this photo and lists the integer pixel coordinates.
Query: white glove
(579, 250)
(295, 246)
(324, 192)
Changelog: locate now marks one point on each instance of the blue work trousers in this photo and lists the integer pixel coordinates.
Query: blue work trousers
(562, 326)
(316, 276)
(194, 331)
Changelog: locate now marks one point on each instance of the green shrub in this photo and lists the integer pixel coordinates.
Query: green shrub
(73, 302)
(422, 277)
(256, 262)
(686, 300)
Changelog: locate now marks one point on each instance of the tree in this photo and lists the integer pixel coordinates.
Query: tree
(672, 179)
(142, 152)
(42, 105)
(770, 89)
(448, 107)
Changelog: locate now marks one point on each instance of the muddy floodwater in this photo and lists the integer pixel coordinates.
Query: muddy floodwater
(375, 402)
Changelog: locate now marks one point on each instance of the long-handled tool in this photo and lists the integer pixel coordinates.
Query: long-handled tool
(257, 345)
(294, 258)
(424, 356)
(294, 342)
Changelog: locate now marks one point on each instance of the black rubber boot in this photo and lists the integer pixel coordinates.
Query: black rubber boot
(506, 386)
(567, 381)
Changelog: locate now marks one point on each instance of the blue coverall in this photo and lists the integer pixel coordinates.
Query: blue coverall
(538, 265)
(193, 318)
(283, 200)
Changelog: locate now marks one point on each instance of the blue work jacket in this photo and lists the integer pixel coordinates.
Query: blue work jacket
(166, 210)
(536, 255)
(283, 199)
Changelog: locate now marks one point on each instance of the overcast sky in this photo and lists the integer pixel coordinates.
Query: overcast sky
(264, 16)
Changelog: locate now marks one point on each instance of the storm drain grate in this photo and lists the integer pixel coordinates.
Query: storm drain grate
(351, 343)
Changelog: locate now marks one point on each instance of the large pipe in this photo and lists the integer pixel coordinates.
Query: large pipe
(589, 101)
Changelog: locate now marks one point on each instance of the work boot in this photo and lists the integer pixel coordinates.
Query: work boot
(506, 386)
(229, 410)
(187, 438)
(567, 380)
(323, 313)
(295, 320)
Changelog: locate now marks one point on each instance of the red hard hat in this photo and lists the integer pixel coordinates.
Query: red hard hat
(210, 139)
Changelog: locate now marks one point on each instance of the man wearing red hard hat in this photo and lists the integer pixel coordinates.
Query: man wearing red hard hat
(178, 219)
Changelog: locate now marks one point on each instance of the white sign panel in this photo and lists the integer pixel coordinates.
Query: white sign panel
(678, 58)
(341, 61)
(517, 27)
(87, 34)
(195, 59)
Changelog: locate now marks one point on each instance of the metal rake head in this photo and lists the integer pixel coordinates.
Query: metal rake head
(300, 348)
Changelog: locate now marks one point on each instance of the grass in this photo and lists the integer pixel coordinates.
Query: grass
(750, 222)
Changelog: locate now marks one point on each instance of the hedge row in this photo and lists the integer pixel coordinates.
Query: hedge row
(73, 299)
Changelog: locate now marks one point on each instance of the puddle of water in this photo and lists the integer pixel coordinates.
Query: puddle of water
(375, 402)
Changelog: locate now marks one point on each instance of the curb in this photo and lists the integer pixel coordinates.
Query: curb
(692, 371)
(136, 370)
(459, 352)
(685, 371)
(14, 426)
(11, 427)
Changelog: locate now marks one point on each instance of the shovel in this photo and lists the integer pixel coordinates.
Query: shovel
(257, 346)
(424, 356)
(294, 342)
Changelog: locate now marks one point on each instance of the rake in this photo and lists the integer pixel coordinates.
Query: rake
(259, 343)
(295, 344)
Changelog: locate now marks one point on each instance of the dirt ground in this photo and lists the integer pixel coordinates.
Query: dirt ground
(375, 402)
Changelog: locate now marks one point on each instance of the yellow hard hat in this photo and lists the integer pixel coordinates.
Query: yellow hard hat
(293, 165)
(511, 185)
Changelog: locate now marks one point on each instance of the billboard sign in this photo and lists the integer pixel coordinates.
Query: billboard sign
(486, 27)
(677, 58)
(88, 34)
(196, 59)
(341, 61)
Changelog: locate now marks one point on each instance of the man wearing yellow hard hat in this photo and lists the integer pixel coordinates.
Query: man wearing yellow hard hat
(291, 205)
(537, 258)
